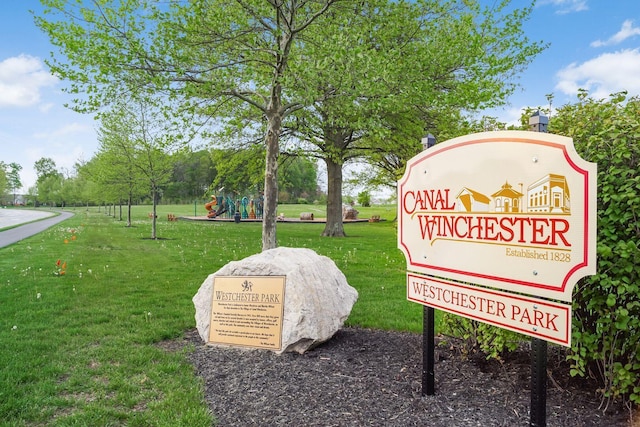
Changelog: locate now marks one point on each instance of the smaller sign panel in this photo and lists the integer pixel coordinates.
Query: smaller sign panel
(247, 311)
(530, 316)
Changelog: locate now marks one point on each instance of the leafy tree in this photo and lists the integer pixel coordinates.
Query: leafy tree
(215, 56)
(298, 177)
(140, 142)
(403, 68)
(50, 189)
(4, 183)
(13, 178)
(351, 62)
(92, 191)
(193, 172)
(71, 192)
(364, 198)
(83, 185)
(45, 167)
(114, 168)
(238, 171)
(48, 181)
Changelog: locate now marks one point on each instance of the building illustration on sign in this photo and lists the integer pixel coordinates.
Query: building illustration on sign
(507, 199)
(548, 195)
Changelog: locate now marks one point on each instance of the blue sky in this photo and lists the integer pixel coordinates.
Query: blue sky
(594, 44)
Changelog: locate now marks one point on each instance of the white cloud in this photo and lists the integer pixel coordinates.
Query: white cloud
(21, 79)
(603, 75)
(68, 129)
(627, 31)
(511, 115)
(567, 6)
(65, 156)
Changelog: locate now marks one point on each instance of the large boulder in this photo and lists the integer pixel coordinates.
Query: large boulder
(317, 299)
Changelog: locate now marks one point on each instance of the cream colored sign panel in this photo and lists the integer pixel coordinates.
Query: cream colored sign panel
(247, 311)
(514, 210)
(530, 316)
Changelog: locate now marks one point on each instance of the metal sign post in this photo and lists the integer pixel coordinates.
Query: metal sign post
(428, 351)
(538, 410)
(428, 325)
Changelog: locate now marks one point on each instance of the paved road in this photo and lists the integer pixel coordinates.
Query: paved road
(10, 217)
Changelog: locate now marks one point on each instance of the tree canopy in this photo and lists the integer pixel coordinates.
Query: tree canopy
(206, 56)
(346, 72)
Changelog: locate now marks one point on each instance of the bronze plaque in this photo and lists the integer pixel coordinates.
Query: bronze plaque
(247, 311)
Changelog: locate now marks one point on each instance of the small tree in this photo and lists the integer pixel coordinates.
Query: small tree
(364, 198)
(4, 183)
(50, 189)
(137, 139)
(13, 177)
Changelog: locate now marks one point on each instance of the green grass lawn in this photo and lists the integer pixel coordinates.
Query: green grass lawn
(82, 304)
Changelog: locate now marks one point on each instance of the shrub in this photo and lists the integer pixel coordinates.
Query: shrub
(475, 336)
(606, 320)
(606, 306)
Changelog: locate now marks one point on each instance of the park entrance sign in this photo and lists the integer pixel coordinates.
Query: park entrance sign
(512, 211)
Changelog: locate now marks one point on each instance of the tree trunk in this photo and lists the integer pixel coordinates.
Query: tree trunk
(129, 203)
(334, 226)
(269, 238)
(272, 143)
(154, 215)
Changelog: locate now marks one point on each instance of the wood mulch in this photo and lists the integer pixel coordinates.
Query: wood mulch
(364, 377)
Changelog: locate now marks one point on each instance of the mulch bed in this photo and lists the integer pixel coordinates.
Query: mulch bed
(365, 377)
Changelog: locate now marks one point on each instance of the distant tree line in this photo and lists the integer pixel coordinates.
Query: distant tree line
(194, 175)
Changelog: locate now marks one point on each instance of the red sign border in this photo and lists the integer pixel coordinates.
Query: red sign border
(492, 139)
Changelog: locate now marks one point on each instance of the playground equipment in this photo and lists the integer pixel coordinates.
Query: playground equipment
(210, 207)
(241, 208)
